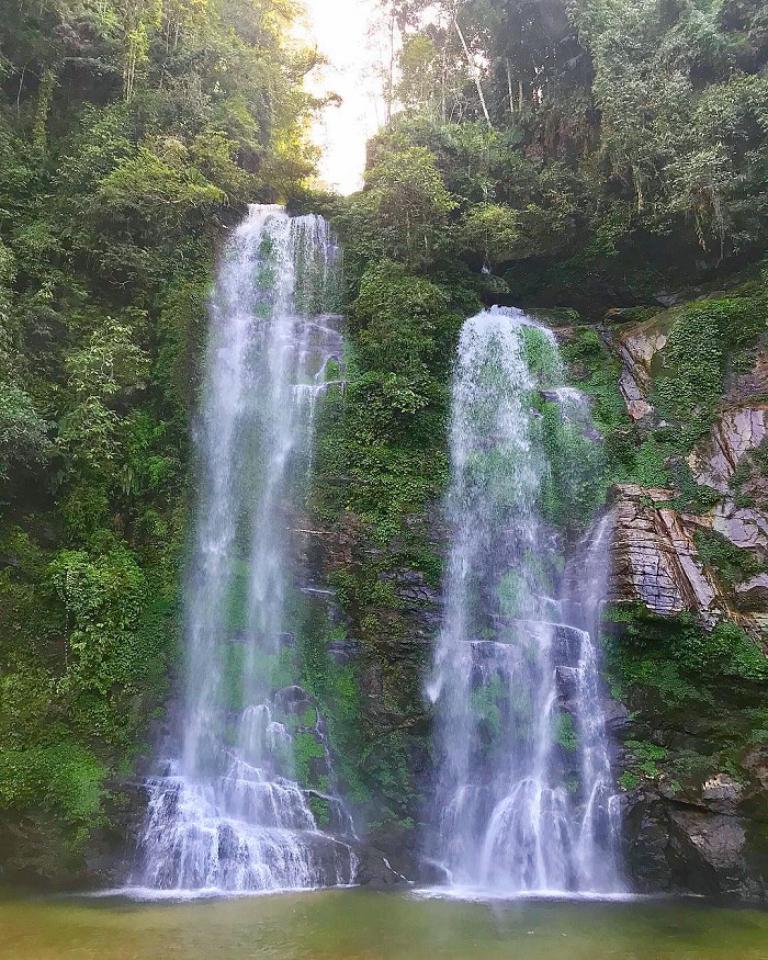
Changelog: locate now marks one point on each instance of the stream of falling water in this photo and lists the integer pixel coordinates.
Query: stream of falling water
(226, 812)
(524, 791)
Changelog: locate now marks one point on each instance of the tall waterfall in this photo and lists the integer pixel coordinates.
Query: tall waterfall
(227, 812)
(524, 787)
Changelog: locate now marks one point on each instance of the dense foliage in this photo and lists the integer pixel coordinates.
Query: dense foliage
(584, 144)
(130, 135)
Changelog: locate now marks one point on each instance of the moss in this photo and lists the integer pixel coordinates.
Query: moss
(576, 483)
(645, 756)
(696, 697)
(380, 451)
(732, 564)
(556, 316)
(631, 314)
(423, 557)
(306, 748)
(64, 780)
(679, 658)
(486, 709)
(595, 370)
(691, 497)
(541, 357)
(629, 781)
(511, 591)
(321, 810)
(336, 689)
(706, 339)
(650, 468)
(565, 733)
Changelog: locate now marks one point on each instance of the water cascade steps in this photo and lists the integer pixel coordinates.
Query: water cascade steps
(226, 812)
(524, 787)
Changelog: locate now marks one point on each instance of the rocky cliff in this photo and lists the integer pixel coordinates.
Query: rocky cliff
(688, 591)
(684, 659)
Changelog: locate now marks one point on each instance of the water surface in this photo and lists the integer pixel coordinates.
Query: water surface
(362, 925)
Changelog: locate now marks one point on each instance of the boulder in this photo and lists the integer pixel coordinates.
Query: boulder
(707, 852)
(375, 870)
(683, 847)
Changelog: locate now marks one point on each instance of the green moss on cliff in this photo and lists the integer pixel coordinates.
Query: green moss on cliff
(706, 341)
(695, 696)
(732, 564)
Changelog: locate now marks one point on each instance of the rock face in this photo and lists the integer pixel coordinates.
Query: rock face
(655, 560)
(637, 348)
(745, 527)
(696, 842)
(735, 434)
(753, 593)
(387, 620)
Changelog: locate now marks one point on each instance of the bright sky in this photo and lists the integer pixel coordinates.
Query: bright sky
(341, 29)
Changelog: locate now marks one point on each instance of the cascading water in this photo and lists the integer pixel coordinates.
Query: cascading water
(524, 785)
(227, 813)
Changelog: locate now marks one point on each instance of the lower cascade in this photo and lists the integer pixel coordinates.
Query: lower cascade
(524, 790)
(226, 809)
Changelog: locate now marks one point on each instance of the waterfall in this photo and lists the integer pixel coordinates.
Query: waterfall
(226, 811)
(524, 787)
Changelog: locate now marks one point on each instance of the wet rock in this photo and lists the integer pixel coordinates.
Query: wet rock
(637, 406)
(755, 762)
(330, 813)
(292, 700)
(617, 717)
(566, 645)
(748, 385)
(332, 860)
(556, 317)
(567, 680)
(630, 314)
(697, 841)
(707, 852)
(375, 870)
(676, 848)
(646, 843)
(105, 860)
(670, 298)
(343, 652)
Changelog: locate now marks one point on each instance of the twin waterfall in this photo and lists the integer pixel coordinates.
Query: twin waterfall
(524, 788)
(227, 813)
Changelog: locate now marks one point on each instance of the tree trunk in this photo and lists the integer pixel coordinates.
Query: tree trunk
(474, 72)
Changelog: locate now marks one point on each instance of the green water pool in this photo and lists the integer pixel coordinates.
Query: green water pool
(364, 925)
